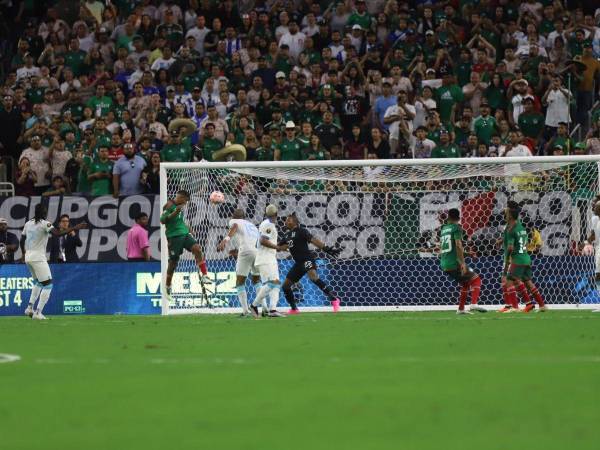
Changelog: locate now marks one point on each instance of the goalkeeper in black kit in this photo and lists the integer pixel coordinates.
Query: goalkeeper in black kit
(296, 241)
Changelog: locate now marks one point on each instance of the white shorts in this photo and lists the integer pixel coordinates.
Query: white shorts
(245, 264)
(268, 272)
(40, 270)
(597, 258)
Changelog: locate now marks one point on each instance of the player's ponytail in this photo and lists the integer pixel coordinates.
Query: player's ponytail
(39, 213)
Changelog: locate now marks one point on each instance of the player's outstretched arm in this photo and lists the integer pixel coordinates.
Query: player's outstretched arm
(264, 241)
(221, 246)
(77, 227)
(333, 251)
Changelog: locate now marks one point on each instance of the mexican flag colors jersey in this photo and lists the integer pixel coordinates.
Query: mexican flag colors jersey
(517, 238)
(449, 234)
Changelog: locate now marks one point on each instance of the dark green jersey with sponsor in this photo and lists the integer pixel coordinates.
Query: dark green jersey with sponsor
(446, 151)
(449, 234)
(176, 225)
(290, 150)
(517, 238)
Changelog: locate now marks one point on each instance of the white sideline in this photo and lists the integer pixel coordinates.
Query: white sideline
(327, 309)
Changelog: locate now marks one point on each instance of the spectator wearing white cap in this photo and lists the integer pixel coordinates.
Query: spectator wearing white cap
(517, 92)
(356, 37)
(8, 243)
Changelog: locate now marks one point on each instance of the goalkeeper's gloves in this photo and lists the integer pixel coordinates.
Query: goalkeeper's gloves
(333, 251)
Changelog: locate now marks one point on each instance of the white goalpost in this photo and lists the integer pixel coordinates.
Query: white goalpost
(385, 216)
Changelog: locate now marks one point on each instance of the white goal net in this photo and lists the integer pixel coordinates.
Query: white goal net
(385, 216)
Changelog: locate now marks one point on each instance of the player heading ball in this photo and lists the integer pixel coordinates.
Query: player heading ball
(179, 238)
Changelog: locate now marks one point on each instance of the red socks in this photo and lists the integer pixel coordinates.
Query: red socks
(464, 290)
(522, 290)
(475, 285)
(510, 297)
(537, 296)
(203, 268)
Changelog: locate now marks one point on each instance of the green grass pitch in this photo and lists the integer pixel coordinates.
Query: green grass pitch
(316, 381)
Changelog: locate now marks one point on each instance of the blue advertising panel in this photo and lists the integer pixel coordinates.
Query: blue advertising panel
(134, 288)
(101, 288)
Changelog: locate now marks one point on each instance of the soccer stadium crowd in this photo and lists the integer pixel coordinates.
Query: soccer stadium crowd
(96, 94)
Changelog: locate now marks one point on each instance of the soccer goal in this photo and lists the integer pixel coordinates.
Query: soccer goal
(385, 215)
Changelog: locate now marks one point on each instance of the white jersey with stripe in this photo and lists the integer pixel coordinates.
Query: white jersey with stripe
(245, 237)
(36, 239)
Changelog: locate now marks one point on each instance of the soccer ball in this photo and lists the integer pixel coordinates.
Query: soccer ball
(216, 197)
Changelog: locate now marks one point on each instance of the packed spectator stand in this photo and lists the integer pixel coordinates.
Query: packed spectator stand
(95, 95)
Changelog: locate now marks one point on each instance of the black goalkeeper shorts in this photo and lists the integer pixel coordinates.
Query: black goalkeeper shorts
(299, 269)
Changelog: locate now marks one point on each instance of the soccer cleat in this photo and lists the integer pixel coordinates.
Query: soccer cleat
(508, 309)
(244, 315)
(336, 305)
(254, 311)
(38, 316)
(461, 312)
(477, 308)
(529, 307)
(275, 314)
(265, 312)
(29, 311)
(293, 312)
(543, 309)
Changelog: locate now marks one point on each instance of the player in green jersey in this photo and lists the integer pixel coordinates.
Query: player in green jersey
(452, 261)
(179, 238)
(517, 264)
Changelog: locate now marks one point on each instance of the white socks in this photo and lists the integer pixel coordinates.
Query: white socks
(261, 295)
(274, 296)
(44, 296)
(243, 297)
(35, 293)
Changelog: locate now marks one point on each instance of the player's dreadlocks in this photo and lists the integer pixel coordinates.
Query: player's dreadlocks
(39, 213)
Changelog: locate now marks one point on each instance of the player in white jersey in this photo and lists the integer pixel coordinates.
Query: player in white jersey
(595, 239)
(33, 245)
(266, 262)
(243, 235)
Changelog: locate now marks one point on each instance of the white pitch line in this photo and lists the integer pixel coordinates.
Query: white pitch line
(8, 358)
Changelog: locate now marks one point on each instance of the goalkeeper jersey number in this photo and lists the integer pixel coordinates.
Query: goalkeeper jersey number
(297, 241)
(449, 234)
(176, 225)
(516, 237)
